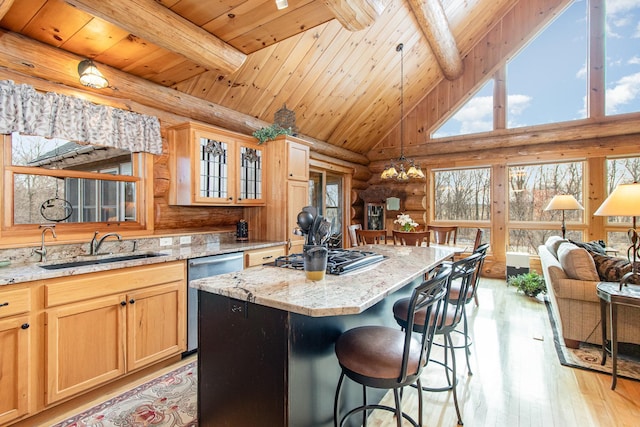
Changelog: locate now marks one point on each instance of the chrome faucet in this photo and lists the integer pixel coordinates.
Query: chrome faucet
(95, 243)
(42, 251)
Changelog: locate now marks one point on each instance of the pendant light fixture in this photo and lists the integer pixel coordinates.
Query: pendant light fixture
(402, 169)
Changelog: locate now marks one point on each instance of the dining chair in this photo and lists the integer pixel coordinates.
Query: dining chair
(410, 238)
(448, 319)
(368, 237)
(352, 234)
(387, 358)
(442, 234)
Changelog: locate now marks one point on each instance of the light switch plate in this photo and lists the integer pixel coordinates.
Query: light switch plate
(166, 241)
(185, 240)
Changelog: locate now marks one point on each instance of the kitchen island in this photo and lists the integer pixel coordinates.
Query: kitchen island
(266, 336)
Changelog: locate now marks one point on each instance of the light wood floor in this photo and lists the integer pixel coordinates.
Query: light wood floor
(518, 380)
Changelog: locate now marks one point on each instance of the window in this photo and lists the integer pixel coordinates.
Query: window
(620, 171)
(60, 181)
(531, 187)
(462, 194)
(475, 116)
(546, 81)
(622, 63)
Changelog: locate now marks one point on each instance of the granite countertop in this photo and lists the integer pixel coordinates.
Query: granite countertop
(352, 293)
(27, 272)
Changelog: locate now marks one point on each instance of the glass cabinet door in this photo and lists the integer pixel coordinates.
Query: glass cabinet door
(251, 174)
(213, 170)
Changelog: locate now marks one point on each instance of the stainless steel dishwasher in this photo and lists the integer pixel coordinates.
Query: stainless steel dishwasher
(206, 267)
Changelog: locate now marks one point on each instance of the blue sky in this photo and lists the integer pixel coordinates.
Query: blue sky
(547, 79)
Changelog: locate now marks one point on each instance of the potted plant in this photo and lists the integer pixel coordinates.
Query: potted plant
(270, 133)
(530, 283)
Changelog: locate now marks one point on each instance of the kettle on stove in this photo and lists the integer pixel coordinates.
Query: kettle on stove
(242, 231)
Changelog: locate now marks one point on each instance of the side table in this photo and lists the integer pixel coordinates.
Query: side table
(610, 294)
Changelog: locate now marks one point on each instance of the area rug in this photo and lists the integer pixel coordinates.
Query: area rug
(588, 356)
(166, 401)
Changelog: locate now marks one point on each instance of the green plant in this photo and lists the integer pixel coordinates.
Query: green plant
(530, 283)
(270, 133)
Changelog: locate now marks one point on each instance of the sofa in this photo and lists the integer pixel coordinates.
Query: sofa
(571, 276)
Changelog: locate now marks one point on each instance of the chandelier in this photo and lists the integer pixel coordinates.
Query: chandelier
(402, 169)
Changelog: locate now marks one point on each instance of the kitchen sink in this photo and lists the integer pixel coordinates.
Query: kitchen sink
(97, 261)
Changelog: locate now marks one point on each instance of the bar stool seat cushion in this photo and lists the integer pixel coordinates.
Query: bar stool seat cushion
(401, 307)
(376, 352)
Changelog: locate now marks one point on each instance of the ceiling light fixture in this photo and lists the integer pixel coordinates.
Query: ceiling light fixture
(281, 4)
(90, 76)
(413, 170)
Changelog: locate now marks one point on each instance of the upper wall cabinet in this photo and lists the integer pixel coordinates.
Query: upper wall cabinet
(212, 166)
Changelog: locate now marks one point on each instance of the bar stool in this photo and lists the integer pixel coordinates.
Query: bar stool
(449, 317)
(383, 357)
(465, 298)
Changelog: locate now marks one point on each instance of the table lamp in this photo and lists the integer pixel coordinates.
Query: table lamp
(624, 200)
(563, 202)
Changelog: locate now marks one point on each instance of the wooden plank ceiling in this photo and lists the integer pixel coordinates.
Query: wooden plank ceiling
(342, 82)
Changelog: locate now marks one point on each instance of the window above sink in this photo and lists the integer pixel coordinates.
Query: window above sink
(79, 187)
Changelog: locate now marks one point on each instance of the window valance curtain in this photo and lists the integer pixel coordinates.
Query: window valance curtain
(51, 115)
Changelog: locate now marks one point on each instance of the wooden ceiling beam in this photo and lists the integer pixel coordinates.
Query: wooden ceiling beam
(433, 22)
(159, 25)
(4, 7)
(27, 56)
(356, 15)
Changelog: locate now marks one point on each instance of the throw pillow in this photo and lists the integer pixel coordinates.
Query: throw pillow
(577, 263)
(596, 246)
(611, 269)
(552, 243)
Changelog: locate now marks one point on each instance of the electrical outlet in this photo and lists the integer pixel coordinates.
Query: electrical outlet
(166, 241)
(185, 240)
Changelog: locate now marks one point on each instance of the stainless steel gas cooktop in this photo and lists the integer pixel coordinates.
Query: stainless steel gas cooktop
(340, 261)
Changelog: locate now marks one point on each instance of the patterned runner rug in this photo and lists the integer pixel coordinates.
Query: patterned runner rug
(588, 356)
(166, 401)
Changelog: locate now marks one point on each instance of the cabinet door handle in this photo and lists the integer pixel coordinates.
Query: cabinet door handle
(25, 326)
(132, 301)
(4, 304)
(230, 198)
(267, 257)
(123, 303)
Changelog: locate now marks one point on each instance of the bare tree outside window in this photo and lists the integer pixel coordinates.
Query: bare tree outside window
(531, 187)
(463, 194)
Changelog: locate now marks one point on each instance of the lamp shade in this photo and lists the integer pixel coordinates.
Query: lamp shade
(562, 202)
(624, 200)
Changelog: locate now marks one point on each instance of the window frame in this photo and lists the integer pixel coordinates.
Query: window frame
(141, 177)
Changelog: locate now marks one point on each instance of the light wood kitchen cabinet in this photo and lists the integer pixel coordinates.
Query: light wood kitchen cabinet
(298, 197)
(288, 189)
(262, 256)
(298, 161)
(213, 167)
(96, 333)
(15, 342)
